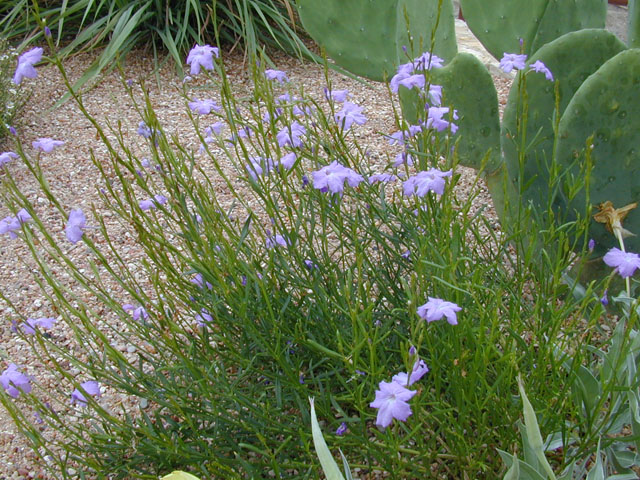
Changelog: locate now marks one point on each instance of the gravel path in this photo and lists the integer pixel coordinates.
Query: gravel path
(74, 180)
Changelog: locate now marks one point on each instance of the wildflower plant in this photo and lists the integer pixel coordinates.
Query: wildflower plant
(312, 281)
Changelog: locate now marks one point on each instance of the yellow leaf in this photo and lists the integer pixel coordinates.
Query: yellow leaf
(179, 475)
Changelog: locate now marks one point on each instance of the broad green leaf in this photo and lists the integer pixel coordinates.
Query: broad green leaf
(329, 465)
(514, 472)
(179, 475)
(597, 472)
(533, 431)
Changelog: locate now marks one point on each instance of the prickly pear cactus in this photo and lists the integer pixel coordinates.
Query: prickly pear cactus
(467, 87)
(634, 24)
(367, 37)
(499, 24)
(571, 58)
(606, 106)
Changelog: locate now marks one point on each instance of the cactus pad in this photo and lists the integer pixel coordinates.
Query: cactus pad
(606, 106)
(571, 58)
(499, 25)
(366, 36)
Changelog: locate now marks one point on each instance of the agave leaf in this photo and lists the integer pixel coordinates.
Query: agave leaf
(329, 465)
(179, 475)
(533, 431)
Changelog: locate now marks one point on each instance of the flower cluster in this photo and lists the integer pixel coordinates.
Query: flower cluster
(515, 61)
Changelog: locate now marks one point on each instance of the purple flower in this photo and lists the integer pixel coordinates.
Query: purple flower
(435, 119)
(288, 161)
(152, 203)
(435, 94)
(201, 56)
(276, 75)
(625, 263)
(29, 327)
(540, 67)
(382, 177)
(90, 387)
(350, 114)
(203, 318)
(402, 158)
(310, 265)
(342, 429)
(591, 245)
(137, 312)
(417, 372)
(412, 350)
(259, 166)
(204, 107)
(46, 144)
(424, 182)
(201, 282)
(436, 309)
(47, 31)
(391, 402)
(337, 95)
(145, 130)
(5, 157)
(401, 136)
(413, 81)
(291, 135)
(75, 225)
(331, 178)
(299, 112)
(406, 254)
(26, 63)
(278, 240)
(605, 299)
(214, 129)
(512, 60)
(427, 61)
(13, 224)
(15, 382)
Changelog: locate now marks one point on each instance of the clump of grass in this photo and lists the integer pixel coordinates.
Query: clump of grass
(171, 27)
(310, 282)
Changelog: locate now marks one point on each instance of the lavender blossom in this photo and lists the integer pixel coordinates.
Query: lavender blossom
(350, 114)
(512, 61)
(339, 96)
(540, 67)
(426, 181)
(382, 177)
(436, 309)
(15, 382)
(138, 312)
(26, 62)
(202, 56)
(332, 177)
(6, 157)
(204, 107)
(291, 135)
(277, 75)
(288, 160)
(391, 402)
(76, 225)
(29, 327)
(13, 224)
(90, 387)
(201, 282)
(203, 318)
(46, 144)
(277, 240)
(417, 372)
(625, 263)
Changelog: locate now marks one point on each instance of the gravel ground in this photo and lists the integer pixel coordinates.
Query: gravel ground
(74, 180)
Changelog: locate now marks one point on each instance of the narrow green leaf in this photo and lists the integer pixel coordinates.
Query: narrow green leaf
(329, 465)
